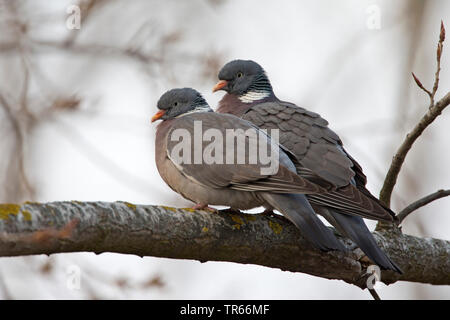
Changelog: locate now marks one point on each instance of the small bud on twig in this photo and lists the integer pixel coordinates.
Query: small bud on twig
(417, 80)
(434, 110)
(420, 84)
(440, 47)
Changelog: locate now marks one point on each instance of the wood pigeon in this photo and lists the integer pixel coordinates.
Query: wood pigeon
(249, 95)
(237, 184)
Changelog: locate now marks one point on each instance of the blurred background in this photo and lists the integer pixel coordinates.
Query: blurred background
(75, 105)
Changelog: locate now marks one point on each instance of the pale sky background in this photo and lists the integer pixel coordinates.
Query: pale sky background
(321, 55)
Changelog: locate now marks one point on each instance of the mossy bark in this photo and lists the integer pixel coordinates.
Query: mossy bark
(271, 241)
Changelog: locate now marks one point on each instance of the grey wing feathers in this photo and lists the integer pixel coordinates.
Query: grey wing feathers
(354, 228)
(353, 201)
(299, 211)
(306, 135)
(246, 177)
(316, 147)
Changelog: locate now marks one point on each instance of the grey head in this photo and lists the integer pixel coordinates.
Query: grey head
(180, 101)
(241, 76)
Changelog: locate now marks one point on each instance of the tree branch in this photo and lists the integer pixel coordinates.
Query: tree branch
(93, 49)
(434, 111)
(439, 49)
(421, 202)
(34, 228)
(400, 155)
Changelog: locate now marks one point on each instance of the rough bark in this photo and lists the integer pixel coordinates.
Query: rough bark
(271, 241)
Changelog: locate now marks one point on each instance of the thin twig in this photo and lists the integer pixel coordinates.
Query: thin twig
(86, 9)
(374, 294)
(422, 202)
(420, 85)
(20, 143)
(94, 48)
(25, 86)
(91, 48)
(434, 111)
(399, 158)
(440, 46)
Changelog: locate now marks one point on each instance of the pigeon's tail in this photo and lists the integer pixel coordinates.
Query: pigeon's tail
(354, 228)
(297, 209)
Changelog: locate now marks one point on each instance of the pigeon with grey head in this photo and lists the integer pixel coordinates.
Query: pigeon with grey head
(239, 185)
(250, 96)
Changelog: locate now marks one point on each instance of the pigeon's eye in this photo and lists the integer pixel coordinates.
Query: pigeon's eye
(175, 104)
(240, 74)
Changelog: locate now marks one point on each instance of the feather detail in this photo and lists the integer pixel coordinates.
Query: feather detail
(252, 96)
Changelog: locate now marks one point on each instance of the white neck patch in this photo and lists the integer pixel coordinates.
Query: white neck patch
(252, 96)
(202, 108)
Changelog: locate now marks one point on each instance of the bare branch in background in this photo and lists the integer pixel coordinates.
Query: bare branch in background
(440, 46)
(98, 50)
(399, 158)
(17, 157)
(27, 49)
(24, 49)
(422, 202)
(87, 7)
(434, 111)
(420, 85)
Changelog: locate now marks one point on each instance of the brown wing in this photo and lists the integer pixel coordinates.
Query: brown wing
(354, 201)
(244, 176)
(319, 149)
(308, 137)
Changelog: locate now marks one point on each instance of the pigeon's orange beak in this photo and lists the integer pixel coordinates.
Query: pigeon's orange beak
(219, 85)
(158, 115)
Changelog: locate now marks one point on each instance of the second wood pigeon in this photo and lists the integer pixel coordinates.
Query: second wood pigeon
(249, 95)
